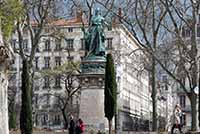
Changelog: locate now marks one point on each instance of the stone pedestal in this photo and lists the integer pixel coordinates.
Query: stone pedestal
(92, 94)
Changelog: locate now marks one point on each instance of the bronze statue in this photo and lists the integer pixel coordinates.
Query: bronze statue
(95, 37)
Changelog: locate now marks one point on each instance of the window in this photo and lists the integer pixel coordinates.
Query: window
(36, 63)
(46, 99)
(70, 29)
(47, 45)
(44, 119)
(183, 32)
(35, 99)
(58, 44)
(37, 88)
(70, 43)
(199, 18)
(164, 78)
(46, 82)
(35, 29)
(13, 43)
(58, 61)
(36, 120)
(182, 100)
(187, 32)
(25, 45)
(70, 58)
(198, 30)
(82, 44)
(37, 49)
(46, 62)
(183, 119)
(57, 82)
(109, 43)
(57, 120)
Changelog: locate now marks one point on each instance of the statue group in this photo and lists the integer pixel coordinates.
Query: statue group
(95, 37)
(94, 61)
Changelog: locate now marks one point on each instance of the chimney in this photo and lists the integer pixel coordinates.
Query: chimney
(119, 14)
(79, 14)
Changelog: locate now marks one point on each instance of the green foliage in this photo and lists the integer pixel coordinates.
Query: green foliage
(10, 11)
(68, 67)
(12, 117)
(26, 107)
(110, 90)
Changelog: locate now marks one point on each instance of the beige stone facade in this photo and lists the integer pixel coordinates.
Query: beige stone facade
(134, 101)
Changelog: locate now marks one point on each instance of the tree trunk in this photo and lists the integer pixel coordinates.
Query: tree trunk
(3, 91)
(116, 120)
(199, 96)
(154, 99)
(194, 71)
(26, 107)
(110, 126)
(12, 116)
(193, 100)
(65, 119)
(3, 100)
(153, 73)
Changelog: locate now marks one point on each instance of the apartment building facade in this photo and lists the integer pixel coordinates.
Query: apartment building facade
(134, 93)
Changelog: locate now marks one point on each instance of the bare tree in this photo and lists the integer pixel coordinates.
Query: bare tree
(183, 16)
(67, 75)
(170, 18)
(8, 15)
(37, 15)
(145, 15)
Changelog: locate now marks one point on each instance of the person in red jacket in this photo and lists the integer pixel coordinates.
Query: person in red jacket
(80, 127)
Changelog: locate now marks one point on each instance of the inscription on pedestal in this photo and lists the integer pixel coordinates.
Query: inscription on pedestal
(93, 67)
(92, 94)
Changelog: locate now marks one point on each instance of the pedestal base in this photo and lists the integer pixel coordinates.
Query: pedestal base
(92, 109)
(92, 95)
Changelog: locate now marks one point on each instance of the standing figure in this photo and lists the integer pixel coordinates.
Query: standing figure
(177, 120)
(71, 125)
(95, 37)
(79, 127)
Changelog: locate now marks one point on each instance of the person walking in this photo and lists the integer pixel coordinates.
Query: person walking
(71, 125)
(79, 127)
(176, 118)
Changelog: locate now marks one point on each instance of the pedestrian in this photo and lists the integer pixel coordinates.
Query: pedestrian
(79, 127)
(71, 125)
(177, 120)
(99, 132)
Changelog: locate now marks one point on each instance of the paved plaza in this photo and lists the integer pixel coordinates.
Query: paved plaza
(60, 132)
(66, 132)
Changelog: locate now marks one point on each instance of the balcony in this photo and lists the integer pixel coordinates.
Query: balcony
(46, 106)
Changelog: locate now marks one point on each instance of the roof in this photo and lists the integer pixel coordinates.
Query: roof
(64, 22)
(78, 21)
(69, 22)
